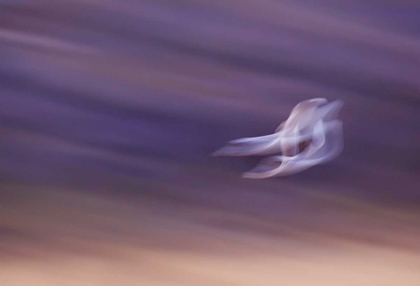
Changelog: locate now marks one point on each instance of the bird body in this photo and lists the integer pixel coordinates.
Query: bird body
(311, 124)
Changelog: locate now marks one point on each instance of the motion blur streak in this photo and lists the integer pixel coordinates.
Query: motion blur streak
(310, 136)
(110, 109)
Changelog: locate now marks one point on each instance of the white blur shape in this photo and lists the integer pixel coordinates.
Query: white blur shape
(312, 135)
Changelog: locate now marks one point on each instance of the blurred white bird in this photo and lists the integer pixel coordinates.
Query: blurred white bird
(310, 136)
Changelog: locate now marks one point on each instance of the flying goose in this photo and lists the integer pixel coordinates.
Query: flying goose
(311, 135)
